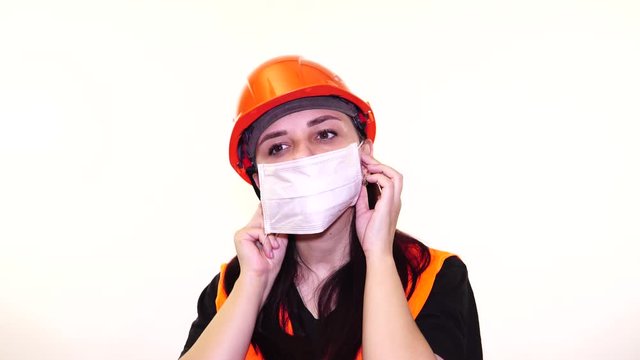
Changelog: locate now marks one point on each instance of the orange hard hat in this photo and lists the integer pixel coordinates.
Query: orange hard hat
(281, 80)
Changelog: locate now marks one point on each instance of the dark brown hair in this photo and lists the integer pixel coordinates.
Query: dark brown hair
(339, 304)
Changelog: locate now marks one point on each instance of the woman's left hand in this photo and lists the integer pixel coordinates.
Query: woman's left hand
(376, 227)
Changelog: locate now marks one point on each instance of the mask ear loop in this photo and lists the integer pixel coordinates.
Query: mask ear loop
(251, 171)
(373, 192)
(364, 181)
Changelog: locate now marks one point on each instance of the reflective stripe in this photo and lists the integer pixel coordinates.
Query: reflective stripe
(415, 302)
(221, 296)
(426, 280)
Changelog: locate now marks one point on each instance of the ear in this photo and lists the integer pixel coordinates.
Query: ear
(256, 179)
(367, 147)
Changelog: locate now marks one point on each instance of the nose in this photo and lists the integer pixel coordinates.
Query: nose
(301, 150)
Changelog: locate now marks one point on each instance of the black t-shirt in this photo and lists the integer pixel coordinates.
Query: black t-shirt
(448, 320)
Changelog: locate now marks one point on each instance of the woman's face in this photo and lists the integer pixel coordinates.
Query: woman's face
(305, 133)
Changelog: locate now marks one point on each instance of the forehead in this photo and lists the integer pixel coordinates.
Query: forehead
(304, 119)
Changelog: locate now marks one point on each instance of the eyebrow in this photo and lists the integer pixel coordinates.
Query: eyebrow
(321, 119)
(271, 135)
(310, 123)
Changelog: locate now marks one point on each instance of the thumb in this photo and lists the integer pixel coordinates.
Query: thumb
(282, 240)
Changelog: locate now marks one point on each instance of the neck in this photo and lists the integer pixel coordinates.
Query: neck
(321, 254)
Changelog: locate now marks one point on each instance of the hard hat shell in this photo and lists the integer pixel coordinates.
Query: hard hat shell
(278, 81)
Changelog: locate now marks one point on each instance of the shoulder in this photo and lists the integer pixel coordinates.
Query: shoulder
(450, 278)
(439, 263)
(208, 298)
(426, 260)
(218, 289)
(211, 299)
(206, 311)
(453, 273)
(449, 318)
(228, 275)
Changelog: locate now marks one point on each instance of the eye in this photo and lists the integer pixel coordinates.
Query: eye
(326, 134)
(276, 148)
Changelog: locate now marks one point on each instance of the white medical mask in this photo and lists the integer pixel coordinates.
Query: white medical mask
(305, 196)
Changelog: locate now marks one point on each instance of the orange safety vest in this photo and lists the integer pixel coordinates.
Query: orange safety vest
(415, 302)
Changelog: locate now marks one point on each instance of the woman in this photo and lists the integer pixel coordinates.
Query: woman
(321, 271)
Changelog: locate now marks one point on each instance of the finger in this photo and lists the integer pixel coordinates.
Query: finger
(266, 246)
(251, 234)
(384, 182)
(258, 238)
(393, 187)
(274, 241)
(362, 204)
(368, 159)
(282, 240)
(258, 245)
(394, 175)
(383, 169)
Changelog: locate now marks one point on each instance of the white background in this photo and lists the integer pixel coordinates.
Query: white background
(515, 123)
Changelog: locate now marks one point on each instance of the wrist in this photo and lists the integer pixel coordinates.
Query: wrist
(377, 246)
(256, 286)
(376, 258)
(253, 284)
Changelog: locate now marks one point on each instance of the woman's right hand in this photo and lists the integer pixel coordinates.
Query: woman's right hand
(260, 255)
